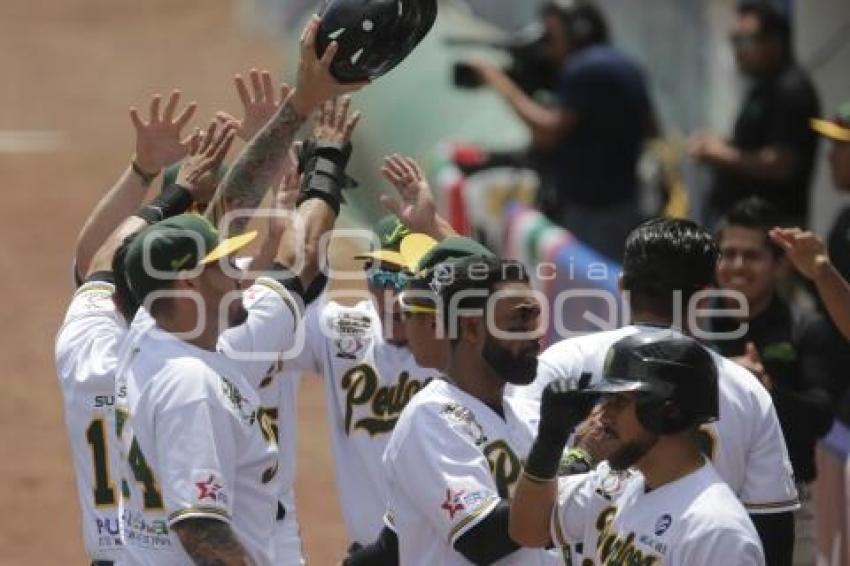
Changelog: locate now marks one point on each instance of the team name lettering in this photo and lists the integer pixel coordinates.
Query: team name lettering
(615, 550)
(504, 467)
(386, 403)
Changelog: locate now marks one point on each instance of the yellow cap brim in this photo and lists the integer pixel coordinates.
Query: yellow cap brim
(830, 130)
(414, 247)
(384, 256)
(228, 246)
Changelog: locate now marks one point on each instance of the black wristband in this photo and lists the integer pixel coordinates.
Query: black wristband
(324, 180)
(545, 456)
(172, 201)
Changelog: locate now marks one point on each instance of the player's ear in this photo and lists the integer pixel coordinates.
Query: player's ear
(470, 328)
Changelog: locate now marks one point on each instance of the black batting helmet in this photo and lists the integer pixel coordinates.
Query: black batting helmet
(373, 35)
(674, 376)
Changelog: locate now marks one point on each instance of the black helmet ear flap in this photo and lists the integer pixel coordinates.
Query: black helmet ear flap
(374, 36)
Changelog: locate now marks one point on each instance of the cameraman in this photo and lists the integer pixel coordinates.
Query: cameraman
(596, 132)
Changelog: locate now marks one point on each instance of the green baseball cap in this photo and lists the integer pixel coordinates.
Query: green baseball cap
(451, 249)
(390, 232)
(176, 244)
(837, 129)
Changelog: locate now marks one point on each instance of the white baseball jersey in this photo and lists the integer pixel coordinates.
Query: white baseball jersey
(194, 440)
(266, 331)
(695, 520)
(450, 460)
(745, 444)
(86, 353)
(367, 384)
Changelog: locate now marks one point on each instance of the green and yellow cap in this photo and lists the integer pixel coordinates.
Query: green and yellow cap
(179, 243)
(390, 232)
(837, 129)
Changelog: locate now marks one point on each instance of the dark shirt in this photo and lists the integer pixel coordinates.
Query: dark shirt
(802, 355)
(596, 163)
(775, 113)
(839, 243)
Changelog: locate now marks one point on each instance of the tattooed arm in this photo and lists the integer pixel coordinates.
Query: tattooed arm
(210, 542)
(263, 158)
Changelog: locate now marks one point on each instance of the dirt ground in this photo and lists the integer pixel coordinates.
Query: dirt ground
(73, 67)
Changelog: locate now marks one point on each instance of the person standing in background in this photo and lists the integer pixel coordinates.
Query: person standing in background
(596, 131)
(772, 150)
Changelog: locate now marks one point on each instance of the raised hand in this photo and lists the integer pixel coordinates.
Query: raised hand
(158, 140)
(805, 250)
(332, 123)
(563, 406)
(416, 207)
(259, 103)
(206, 152)
(285, 199)
(315, 83)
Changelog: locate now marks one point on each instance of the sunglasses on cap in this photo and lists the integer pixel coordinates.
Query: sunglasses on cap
(387, 279)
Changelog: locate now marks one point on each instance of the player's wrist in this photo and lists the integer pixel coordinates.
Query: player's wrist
(545, 456)
(145, 173)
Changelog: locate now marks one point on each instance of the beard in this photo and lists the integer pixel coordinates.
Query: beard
(630, 453)
(516, 369)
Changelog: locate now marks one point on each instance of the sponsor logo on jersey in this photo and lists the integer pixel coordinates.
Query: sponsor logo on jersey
(662, 524)
(385, 403)
(453, 503)
(464, 420)
(614, 549)
(107, 526)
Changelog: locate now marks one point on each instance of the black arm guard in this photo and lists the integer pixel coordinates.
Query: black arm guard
(776, 531)
(323, 165)
(382, 552)
(489, 540)
(172, 201)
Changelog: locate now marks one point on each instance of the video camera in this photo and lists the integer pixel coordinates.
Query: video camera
(529, 67)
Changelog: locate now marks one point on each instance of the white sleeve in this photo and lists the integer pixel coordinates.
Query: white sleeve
(89, 337)
(270, 332)
(446, 475)
(577, 506)
(309, 356)
(769, 483)
(723, 545)
(196, 453)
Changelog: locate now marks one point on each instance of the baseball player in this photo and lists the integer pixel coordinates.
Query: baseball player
(745, 444)
(657, 500)
(86, 352)
(455, 456)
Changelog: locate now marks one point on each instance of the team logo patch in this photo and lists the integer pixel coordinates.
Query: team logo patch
(349, 347)
(662, 524)
(453, 502)
(464, 420)
(209, 489)
(351, 331)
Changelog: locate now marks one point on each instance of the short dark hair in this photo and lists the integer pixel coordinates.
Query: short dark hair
(754, 213)
(474, 273)
(665, 255)
(773, 23)
(584, 23)
(125, 300)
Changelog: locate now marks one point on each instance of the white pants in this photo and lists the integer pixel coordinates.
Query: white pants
(287, 539)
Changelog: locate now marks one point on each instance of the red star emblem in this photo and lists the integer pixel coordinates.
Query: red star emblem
(208, 489)
(452, 504)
